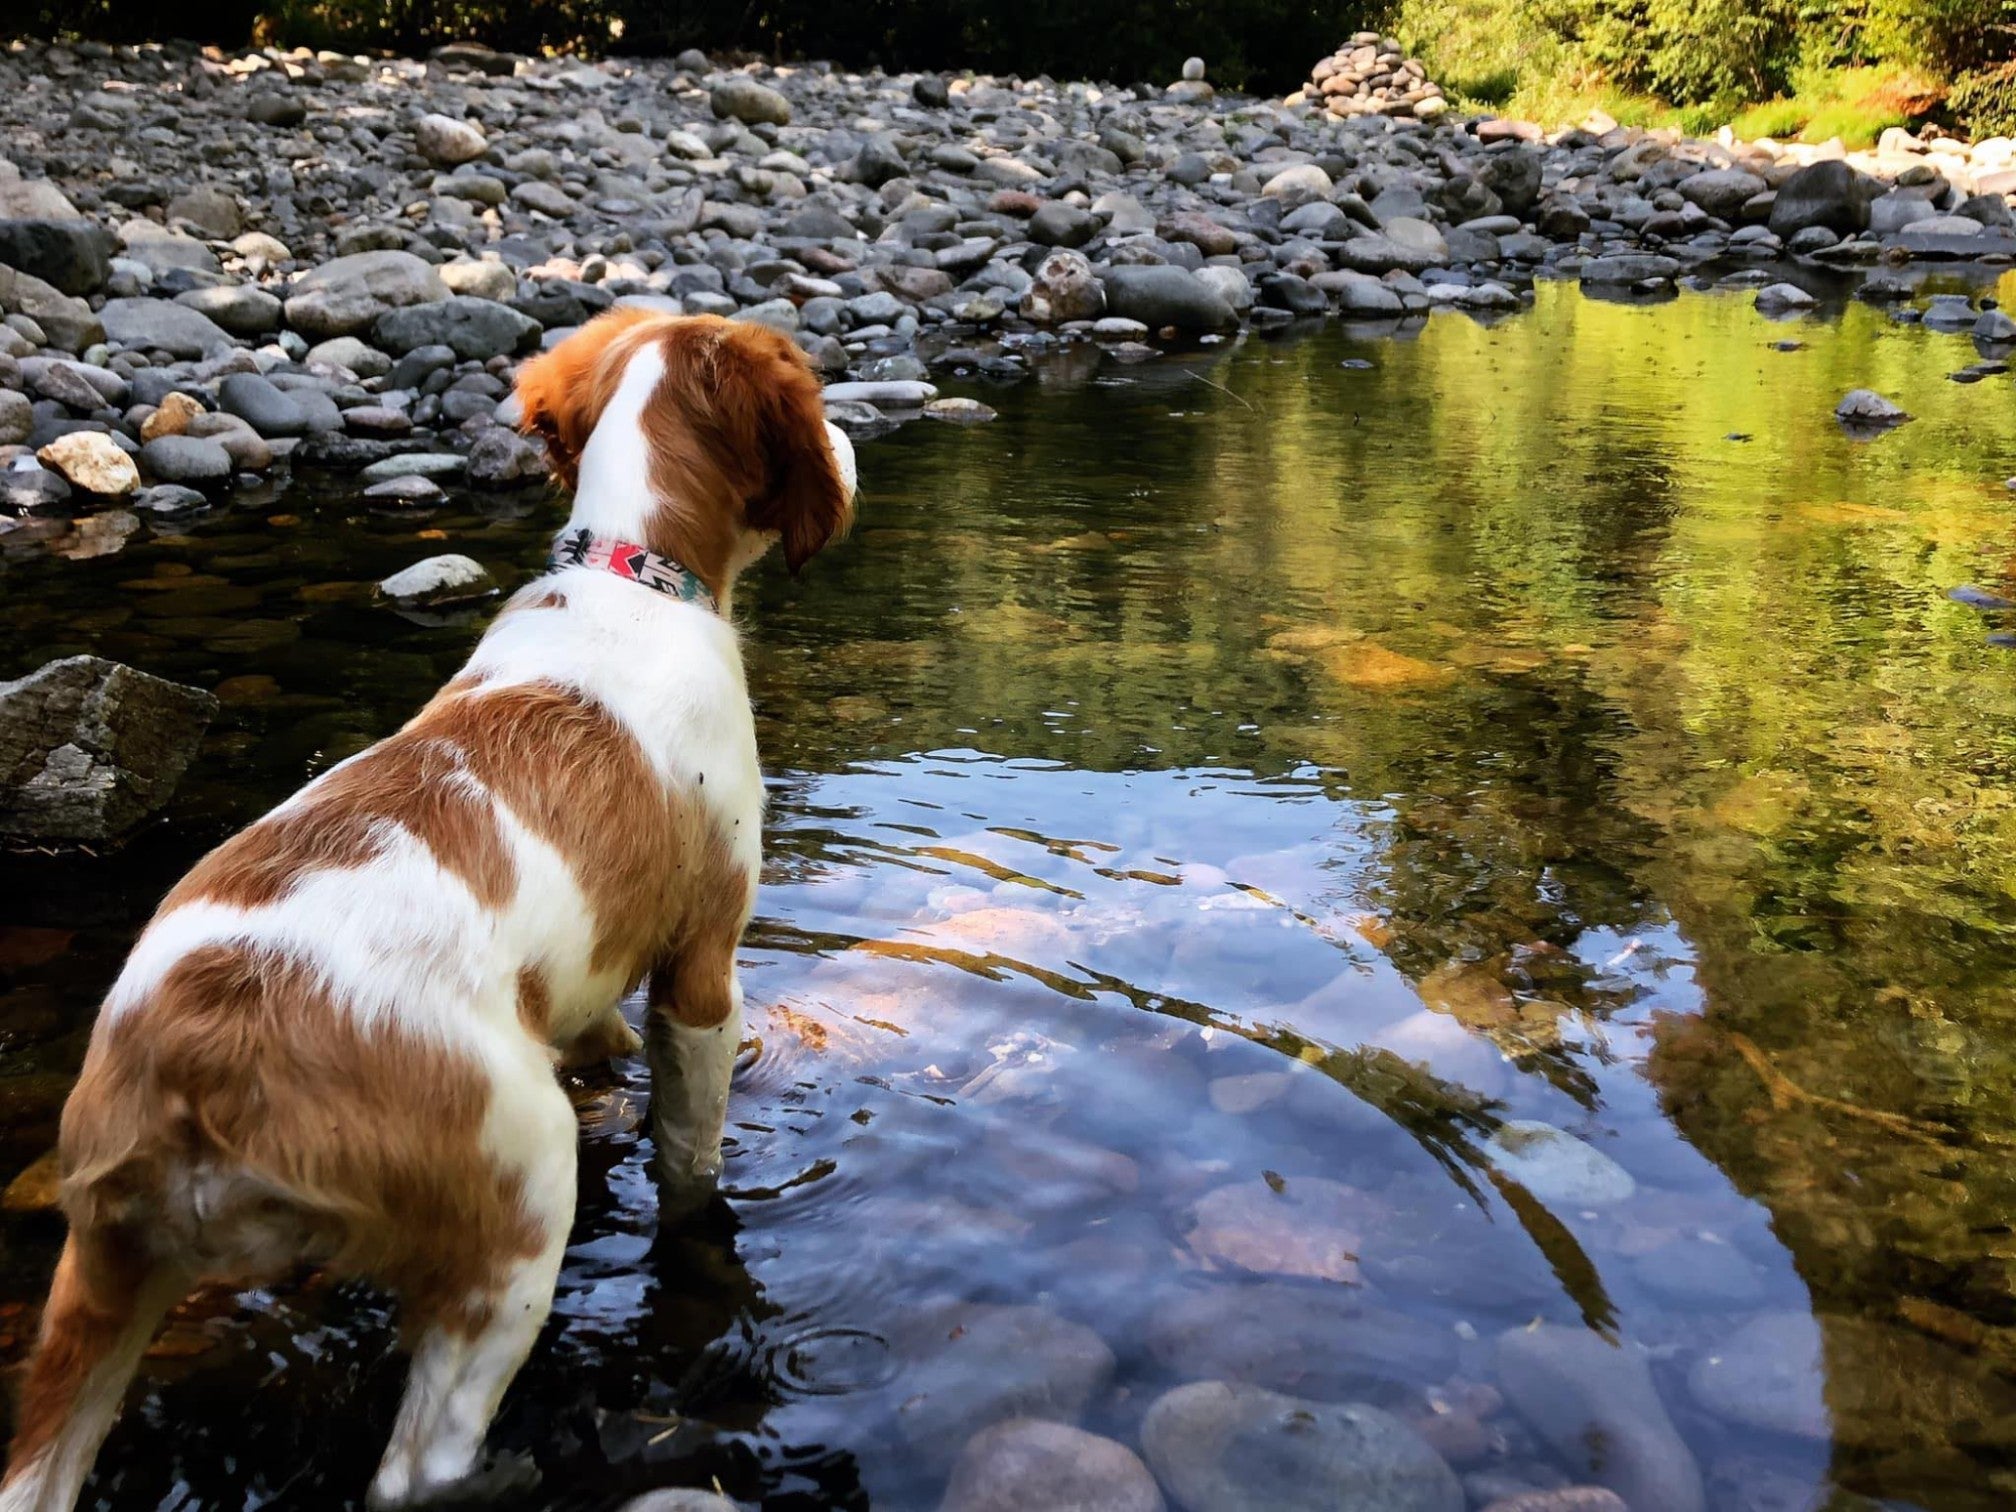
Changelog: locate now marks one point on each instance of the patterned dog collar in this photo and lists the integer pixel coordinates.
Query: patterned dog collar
(583, 548)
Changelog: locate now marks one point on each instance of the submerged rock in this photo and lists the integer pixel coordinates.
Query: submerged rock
(1220, 1447)
(1027, 1463)
(1594, 1401)
(1556, 1167)
(89, 748)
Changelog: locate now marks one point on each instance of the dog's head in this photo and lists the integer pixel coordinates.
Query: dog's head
(725, 415)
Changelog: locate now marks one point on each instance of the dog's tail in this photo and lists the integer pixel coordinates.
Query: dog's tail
(104, 1305)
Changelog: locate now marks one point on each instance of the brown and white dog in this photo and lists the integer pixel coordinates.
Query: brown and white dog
(335, 1042)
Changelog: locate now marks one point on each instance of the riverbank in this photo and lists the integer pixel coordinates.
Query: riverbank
(337, 261)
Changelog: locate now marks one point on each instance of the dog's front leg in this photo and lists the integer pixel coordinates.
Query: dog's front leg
(690, 1041)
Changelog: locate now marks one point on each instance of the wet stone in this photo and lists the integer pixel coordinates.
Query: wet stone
(970, 1365)
(1594, 1401)
(1556, 1167)
(1219, 1447)
(1312, 1341)
(1027, 1463)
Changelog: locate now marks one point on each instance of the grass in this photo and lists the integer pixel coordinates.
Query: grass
(1854, 104)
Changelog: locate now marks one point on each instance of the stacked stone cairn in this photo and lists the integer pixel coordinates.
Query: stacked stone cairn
(1371, 75)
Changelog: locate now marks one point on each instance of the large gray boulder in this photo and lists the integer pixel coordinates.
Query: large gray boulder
(71, 256)
(66, 320)
(1722, 192)
(474, 329)
(1829, 194)
(89, 748)
(1167, 295)
(148, 324)
(345, 296)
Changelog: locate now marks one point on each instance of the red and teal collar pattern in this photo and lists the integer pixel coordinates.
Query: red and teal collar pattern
(584, 548)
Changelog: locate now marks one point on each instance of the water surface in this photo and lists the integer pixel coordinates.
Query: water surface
(1206, 803)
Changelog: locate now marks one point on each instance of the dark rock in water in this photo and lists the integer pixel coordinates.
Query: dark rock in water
(341, 453)
(170, 501)
(1028, 1463)
(73, 256)
(1166, 296)
(1979, 598)
(931, 92)
(1594, 1401)
(1829, 194)
(1629, 268)
(1285, 291)
(1225, 1448)
(89, 748)
(32, 490)
(474, 329)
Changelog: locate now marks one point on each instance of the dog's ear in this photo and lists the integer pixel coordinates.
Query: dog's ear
(767, 428)
(561, 393)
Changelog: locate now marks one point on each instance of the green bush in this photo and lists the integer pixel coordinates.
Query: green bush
(1983, 103)
(1686, 51)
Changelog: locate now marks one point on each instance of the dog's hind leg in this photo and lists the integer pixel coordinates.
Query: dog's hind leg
(470, 1347)
(107, 1299)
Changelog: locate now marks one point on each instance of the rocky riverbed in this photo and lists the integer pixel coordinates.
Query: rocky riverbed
(213, 267)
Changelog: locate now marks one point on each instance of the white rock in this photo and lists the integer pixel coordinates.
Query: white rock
(93, 462)
(1193, 68)
(1556, 1167)
(438, 580)
(1784, 296)
(447, 141)
(1867, 407)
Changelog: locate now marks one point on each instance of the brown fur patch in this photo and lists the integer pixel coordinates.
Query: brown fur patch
(93, 1301)
(363, 1149)
(535, 1003)
(408, 780)
(650, 863)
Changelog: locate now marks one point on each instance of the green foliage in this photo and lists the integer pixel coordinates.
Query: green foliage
(1686, 51)
(1984, 102)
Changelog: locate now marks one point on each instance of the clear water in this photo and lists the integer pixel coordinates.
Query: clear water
(1248, 771)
